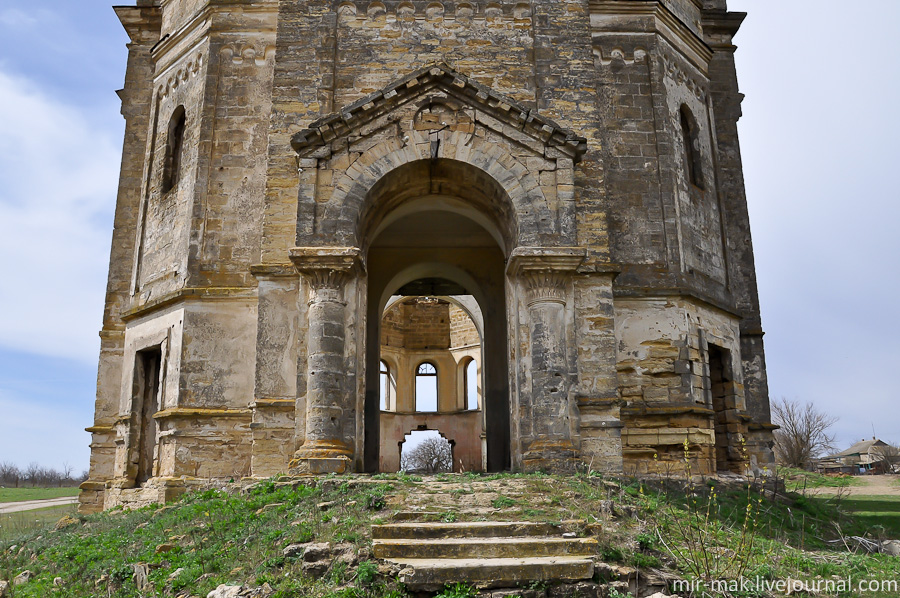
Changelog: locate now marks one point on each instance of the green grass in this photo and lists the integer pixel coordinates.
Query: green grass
(874, 515)
(15, 525)
(798, 480)
(220, 537)
(216, 538)
(18, 494)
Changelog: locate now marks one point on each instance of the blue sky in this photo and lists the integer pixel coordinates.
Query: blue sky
(818, 140)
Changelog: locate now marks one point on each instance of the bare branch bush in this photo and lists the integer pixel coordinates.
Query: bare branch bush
(804, 433)
(432, 455)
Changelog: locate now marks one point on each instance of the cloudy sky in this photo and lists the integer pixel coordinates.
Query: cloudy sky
(818, 137)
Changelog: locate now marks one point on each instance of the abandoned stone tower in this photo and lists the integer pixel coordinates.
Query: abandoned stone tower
(536, 206)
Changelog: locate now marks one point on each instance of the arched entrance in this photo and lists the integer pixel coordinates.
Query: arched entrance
(436, 181)
(434, 229)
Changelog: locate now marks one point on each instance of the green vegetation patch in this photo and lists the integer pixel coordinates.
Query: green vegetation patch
(799, 480)
(716, 530)
(23, 523)
(207, 539)
(20, 494)
(874, 515)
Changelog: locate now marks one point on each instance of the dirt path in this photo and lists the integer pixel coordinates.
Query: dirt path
(30, 505)
(870, 485)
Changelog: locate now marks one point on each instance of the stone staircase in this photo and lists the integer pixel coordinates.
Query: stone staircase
(489, 554)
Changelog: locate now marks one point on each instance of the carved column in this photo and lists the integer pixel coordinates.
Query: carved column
(329, 396)
(546, 277)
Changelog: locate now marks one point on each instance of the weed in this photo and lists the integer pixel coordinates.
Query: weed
(502, 502)
(459, 590)
(366, 572)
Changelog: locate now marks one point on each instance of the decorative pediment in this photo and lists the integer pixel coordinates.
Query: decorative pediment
(456, 85)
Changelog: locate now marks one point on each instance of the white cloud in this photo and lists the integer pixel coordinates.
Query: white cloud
(57, 190)
(13, 17)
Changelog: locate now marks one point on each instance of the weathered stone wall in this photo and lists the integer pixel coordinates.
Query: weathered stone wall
(378, 41)
(464, 429)
(142, 24)
(554, 125)
(463, 332)
(417, 325)
(664, 373)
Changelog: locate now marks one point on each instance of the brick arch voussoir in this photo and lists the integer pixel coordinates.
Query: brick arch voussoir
(520, 185)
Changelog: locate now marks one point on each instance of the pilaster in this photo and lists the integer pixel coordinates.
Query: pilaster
(545, 277)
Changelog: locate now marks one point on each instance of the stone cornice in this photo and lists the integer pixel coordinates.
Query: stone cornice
(677, 291)
(527, 260)
(276, 404)
(190, 294)
(336, 259)
(100, 429)
(142, 23)
(720, 27)
(438, 76)
(198, 25)
(666, 23)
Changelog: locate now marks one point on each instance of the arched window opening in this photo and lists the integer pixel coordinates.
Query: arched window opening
(471, 385)
(174, 150)
(426, 387)
(385, 386)
(426, 451)
(692, 154)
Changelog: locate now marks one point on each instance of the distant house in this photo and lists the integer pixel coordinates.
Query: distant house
(864, 457)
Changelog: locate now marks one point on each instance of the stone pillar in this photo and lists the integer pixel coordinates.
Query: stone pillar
(329, 396)
(546, 277)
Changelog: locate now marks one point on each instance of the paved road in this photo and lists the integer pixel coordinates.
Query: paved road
(30, 505)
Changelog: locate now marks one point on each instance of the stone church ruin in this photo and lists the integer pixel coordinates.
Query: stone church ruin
(534, 208)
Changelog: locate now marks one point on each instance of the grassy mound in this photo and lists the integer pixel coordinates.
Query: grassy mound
(712, 530)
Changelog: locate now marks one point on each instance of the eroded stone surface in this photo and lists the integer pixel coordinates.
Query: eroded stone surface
(586, 154)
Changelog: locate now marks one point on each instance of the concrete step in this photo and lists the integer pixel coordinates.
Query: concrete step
(433, 574)
(485, 548)
(474, 529)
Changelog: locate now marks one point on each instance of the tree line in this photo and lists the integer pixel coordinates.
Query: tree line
(36, 475)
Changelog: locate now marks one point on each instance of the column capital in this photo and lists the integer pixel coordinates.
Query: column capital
(545, 271)
(528, 260)
(308, 260)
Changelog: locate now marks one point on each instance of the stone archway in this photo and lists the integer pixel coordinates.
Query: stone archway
(456, 244)
(436, 147)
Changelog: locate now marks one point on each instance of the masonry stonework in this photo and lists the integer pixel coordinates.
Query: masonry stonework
(313, 190)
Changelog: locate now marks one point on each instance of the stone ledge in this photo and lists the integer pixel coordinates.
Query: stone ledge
(185, 412)
(190, 294)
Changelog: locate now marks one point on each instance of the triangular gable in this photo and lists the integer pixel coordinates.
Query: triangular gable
(440, 76)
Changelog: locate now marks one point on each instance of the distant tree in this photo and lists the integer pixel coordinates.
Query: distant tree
(432, 455)
(10, 474)
(32, 473)
(803, 434)
(66, 474)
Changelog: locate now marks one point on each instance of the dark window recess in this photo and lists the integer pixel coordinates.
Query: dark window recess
(693, 157)
(174, 150)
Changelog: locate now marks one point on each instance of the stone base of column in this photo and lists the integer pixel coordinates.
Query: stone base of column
(551, 456)
(320, 457)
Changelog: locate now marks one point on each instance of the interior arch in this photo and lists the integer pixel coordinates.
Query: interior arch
(430, 225)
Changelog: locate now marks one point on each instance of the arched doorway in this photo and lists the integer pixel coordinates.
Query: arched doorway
(436, 229)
